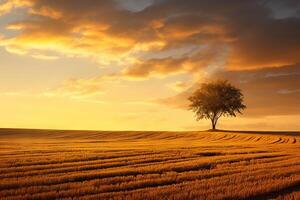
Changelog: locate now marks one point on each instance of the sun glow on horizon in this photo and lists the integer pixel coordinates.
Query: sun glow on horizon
(131, 65)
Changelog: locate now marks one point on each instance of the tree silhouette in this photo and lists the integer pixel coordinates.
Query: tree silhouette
(216, 99)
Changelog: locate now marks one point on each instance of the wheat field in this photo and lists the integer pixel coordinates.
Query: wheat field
(53, 164)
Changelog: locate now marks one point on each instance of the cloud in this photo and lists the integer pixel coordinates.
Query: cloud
(179, 101)
(286, 91)
(45, 57)
(193, 62)
(159, 66)
(268, 92)
(8, 5)
(237, 35)
(76, 28)
(178, 86)
(261, 89)
(81, 88)
(254, 40)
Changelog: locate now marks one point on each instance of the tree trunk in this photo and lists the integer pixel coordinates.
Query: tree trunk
(214, 123)
(213, 126)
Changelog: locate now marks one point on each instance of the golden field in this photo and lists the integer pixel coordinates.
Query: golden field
(53, 164)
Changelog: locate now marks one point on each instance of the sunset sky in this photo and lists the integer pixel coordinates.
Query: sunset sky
(131, 64)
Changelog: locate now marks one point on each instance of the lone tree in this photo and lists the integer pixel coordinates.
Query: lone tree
(216, 99)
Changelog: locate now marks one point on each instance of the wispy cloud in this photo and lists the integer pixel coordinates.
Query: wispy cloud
(81, 88)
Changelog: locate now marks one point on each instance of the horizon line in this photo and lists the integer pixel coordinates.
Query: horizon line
(208, 130)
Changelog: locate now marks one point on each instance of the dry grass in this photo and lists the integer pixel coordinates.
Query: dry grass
(44, 164)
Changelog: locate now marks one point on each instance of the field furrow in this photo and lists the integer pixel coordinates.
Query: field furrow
(145, 165)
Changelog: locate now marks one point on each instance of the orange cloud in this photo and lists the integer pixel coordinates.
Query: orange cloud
(102, 30)
(9, 5)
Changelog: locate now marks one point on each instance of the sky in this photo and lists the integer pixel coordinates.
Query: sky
(132, 64)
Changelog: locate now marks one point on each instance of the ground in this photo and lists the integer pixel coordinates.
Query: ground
(53, 164)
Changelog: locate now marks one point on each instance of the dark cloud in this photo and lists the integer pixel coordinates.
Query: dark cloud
(170, 65)
(272, 91)
(264, 89)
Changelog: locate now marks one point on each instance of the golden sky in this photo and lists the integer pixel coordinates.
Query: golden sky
(131, 64)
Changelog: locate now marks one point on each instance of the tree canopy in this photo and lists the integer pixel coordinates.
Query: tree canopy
(216, 99)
